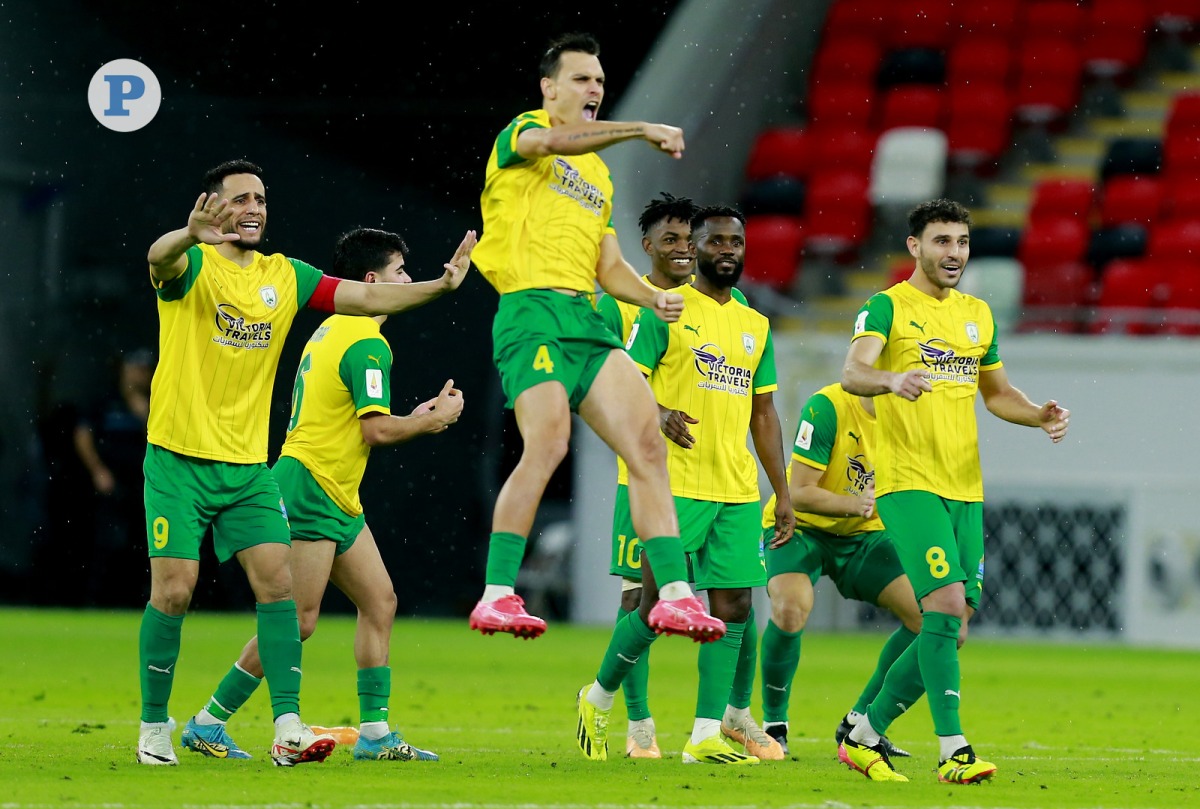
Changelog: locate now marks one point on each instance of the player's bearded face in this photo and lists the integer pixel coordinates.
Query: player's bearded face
(721, 251)
(722, 270)
(247, 198)
(942, 254)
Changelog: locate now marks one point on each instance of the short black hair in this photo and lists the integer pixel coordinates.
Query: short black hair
(552, 58)
(707, 212)
(667, 206)
(214, 178)
(937, 210)
(365, 250)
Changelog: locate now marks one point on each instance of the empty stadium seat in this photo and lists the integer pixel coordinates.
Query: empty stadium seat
(847, 104)
(1000, 282)
(1053, 240)
(1181, 307)
(782, 150)
(1174, 240)
(1115, 37)
(909, 166)
(774, 245)
(1127, 240)
(918, 24)
(1053, 18)
(1055, 299)
(1132, 156)
(991, 17)
(1128, 299)
(1130, 198)
(850, 57)
(1062, 197)
(836, 148)
(856, 17)
(979, 59)
(1049, 76)
(912, 105)
(837, 212)
(1180, 198)
(979, 124)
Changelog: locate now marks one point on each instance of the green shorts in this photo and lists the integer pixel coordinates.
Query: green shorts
(939, 541)
(314, 517)
(861, 565)
(539, 335)
(185, 496)
(723, 542)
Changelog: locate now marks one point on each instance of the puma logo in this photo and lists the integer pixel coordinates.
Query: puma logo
(857, 440)
(917, 325)
(696, 329)
(167, 670)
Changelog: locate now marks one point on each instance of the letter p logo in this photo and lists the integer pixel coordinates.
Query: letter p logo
(124, 95)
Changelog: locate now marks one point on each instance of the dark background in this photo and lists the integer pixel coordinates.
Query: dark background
(360, 114)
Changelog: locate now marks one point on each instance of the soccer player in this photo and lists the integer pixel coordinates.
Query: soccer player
(341, 408)
(838, 534)
(713, 374)
(547, 240)
(924, 350)
(666, 225)
(224, 311)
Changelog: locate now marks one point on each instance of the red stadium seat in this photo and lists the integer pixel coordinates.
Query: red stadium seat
(1061, 19)
(986, 17)
(856, 17)
(918, 24)
(1062, 197)
(837, 212)
(837, 148)
(1181, 155)
(849, 57)
(1115, 37)
(1174, 240)
(775, 244)
(979, 124)
(1053, 240)
(913, 105)
(1129, 198)
(1128, 300)
(782, 150)
(846, 104)
(1180, 198)
(1182, 305)
(979, 59)
(1184, 114)
(1055, 298)
(1049, 79)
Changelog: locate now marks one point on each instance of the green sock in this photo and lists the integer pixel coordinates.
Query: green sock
(899, 640)
(902, 687)
(374, 688)
(630, 640)
(743, 676)
(666, 559)
(235, 688)
(780, 659)
(635, 686)
(279, 649)
(718, 663)
(158, 651)
(937, 648)
(505, 552)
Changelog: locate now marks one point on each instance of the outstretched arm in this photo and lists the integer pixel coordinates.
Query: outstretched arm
(357, 298)
(592, 136)
(768, 443)
(618, 278)
(166, 255)
(1005, 401)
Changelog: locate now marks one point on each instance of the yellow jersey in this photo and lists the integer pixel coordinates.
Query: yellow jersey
(709, 364)
(344, 373)
(543, 219)
(931, 444)
(221, 331)
(834, 435)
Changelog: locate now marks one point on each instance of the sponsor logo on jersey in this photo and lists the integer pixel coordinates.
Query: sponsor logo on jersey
(570, 183)
(946, 364)
(237, 332)
(717, 373)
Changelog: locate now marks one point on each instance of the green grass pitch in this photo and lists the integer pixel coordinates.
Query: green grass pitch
(1082, 724)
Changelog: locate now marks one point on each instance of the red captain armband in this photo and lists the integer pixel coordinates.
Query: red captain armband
(322, 297)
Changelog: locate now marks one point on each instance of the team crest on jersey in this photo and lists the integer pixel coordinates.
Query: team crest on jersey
(717, 374)
(804, 435)
(748, 343)
(268, 295)
(973, 332)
